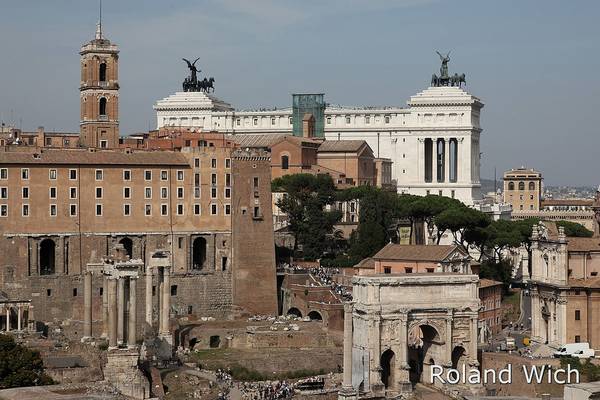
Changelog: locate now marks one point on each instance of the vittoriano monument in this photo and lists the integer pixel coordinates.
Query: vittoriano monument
(192, 84)
(444, 79)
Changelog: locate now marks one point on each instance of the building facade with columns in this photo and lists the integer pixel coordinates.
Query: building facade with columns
(565, 287)
(434, 143)
(62, 209)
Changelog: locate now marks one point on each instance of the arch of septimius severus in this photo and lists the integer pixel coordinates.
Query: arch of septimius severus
(400, 325)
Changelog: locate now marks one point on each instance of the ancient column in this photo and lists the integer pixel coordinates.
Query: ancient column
(112, 312)
(105, 290)
(375, 364)
(7, 319)
(121, 311)
(347, 389)
(447, 161)
(449, 339)
(473, 344)
(31, 319)
(132, 337)
(149, 296)
(19, 316)
(87, 305)
(160, 294)
(402, 368)
(166, 302)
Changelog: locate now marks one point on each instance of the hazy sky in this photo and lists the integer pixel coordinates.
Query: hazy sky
(535, 64)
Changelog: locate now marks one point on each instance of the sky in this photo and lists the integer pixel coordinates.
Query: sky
(535, 64)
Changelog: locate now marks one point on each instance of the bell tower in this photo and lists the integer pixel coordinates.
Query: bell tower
(99, 93)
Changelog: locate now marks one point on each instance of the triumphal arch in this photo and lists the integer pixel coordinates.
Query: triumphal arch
(404, 324)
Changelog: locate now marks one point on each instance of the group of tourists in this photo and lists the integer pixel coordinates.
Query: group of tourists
(325, 277)
(224, 377)
(278, 390)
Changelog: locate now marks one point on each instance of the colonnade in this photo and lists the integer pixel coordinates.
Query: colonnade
(439, 158)
(24, 313)
(119, 304)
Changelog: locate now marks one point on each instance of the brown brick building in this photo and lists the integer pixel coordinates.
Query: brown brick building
(63, 208)
(490, 314)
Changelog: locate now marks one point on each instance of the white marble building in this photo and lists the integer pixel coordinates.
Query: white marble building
(433, 143)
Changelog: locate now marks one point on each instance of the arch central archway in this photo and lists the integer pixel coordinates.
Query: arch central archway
(47, 257)
(295, 312)
(315, 316)
(425, 346)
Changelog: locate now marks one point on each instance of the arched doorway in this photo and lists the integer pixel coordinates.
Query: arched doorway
(425, 347)
(387, 362)
(47, 257)
(128, 245)
(295, 312)
(315, 316)
(458, 357)
(198, 253)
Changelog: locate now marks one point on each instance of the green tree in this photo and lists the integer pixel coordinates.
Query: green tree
(305, 200)
(459, 219)
(428, 207)
(20, 366)
(499, 271)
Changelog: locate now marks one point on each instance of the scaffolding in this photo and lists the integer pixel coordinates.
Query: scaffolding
(312, 103)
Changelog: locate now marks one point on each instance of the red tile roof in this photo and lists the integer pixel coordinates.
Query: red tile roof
(415, 252)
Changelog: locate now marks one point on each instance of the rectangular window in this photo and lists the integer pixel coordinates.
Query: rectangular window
(164, 209)
(4, 210)
(213, 193)
(180, 242)
(577, 339)
(164, 193)
(228, 163)
(53, 210)
(257, 214)
(173, 290)
(213, 163)
(72, 210)
(99, 174)
(98, 192)
(408, 270)
(213, 179)
(180, 175)
(148, 209)
(72, 174)
(196, 192)
(25, 193)
(126, 192)
(103, 144)
(577, 315)
(272, 121)
(148, 193)
(387, 270)
(126, 175)
(4, 193)
(227, 193)
(196, 179)
(98, 210)
(4, 173)
(196, 209)
(227, 209)
(52, 174)
(367, 120)
(126, 210)
(25, 210)
(179, 209)
(227, 179)
(213, 209)
(52, 192)
(164, 175)
(429, 270)
(255, 181)
(147, 175)
(196, 163)
(180, 192)
(25, 173)
(72, 192)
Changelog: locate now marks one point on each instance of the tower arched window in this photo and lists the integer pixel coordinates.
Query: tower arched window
(102, 106)
(531, 185)
(521, 185)
(102, 72)
(511, 186)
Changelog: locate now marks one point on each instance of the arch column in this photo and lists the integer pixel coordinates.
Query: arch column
(148, 295)
(347, 392)
(19, 317)
(112, 312)
(132, 334)
(473, 342)
(166, 302)
(121, 311)
(402, 368)
(449, 339)
(7, 318)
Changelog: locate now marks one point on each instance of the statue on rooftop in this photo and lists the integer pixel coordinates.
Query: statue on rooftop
(444, 67)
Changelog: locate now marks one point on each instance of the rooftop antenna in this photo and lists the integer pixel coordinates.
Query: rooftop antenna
(99, 27)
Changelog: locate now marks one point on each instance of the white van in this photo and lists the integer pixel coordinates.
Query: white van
(579, 350)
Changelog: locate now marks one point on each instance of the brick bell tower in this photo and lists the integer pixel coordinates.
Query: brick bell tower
(99, 126)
